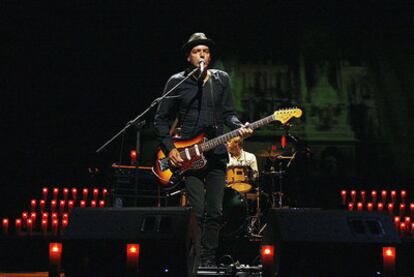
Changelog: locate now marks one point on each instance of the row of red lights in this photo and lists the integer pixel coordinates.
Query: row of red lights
(380, 207)
(28, 221)
(63, 205)
(74, 193)
(268, 259)
(352, 196)
(56, 250)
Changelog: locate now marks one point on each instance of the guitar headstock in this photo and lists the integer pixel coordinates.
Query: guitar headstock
(284, 115)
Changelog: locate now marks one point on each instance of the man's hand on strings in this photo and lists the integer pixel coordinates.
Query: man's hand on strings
(175, 158)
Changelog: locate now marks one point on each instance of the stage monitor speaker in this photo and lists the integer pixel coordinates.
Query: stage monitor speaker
(94, 243)
(312, 242)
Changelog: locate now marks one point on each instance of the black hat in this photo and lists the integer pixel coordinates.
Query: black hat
(197, 39)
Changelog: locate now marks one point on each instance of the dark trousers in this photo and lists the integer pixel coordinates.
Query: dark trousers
(205, 191)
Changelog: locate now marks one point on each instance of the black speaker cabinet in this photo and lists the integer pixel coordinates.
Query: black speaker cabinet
(94, 243)
(311, 242)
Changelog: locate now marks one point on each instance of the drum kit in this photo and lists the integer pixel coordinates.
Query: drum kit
(247, 199)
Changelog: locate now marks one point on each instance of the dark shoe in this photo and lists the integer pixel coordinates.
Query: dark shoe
(208, 263)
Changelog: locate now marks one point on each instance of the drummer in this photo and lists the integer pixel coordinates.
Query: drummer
(239, 157)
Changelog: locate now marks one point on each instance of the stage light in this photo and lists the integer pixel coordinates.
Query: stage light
(33, 217)
(268, 251)
(82, 204)
(18, 225)
(101, 204)
(393, 196)
(132, 262)
(55, 259)
(74, 194)
(343, 197)
(388, 257)
(350, 206)
(85, 193)
(391, 208)
(268, 262)
(95, 194)
(402, 228)
(363, 196)
(283, 141)
(93, 204)
(384, 196)
(374, 196)
(380, 207)
(53, 204)
(5, 224)
(65, 193)
(45, 192)
(397, 221)
(70, 205)
(353, 196)
(44, 226)
(134, 156)
(55, 224)
(104, 193)
(29, 224)
(65, 223)
(62, 206)
(359, 206)
(403, 195)
(370, 207)
(55, 193)
(412, 209)
(33, 205)
(24, 216)
(402, 209)
(42, 204)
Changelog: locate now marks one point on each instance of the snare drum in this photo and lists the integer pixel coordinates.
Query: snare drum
(238, 178)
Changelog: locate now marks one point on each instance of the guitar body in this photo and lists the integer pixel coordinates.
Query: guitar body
(172, 176)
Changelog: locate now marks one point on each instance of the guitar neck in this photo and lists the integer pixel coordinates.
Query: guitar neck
(213, 143)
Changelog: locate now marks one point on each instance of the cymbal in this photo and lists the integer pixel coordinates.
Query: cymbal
(268, 153)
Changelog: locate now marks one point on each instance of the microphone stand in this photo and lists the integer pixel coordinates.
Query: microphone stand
(137, 120)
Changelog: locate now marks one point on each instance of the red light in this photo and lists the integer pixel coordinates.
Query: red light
(268, 251)
(133, 248)
(55, 247)
(132, 257)
(55, 257)
(388, 252)
(388, 257)
(133, 155)
(82, 204)
(283, 141)
(274, 147)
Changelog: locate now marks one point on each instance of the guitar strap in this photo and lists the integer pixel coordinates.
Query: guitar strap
(213, 104)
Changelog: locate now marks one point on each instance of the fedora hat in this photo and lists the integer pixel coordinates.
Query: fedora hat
(197, 39)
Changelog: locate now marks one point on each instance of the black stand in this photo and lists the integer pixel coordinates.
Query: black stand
(137, 120)
(139, 123)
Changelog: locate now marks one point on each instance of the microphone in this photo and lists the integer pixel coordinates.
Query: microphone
(202, 64)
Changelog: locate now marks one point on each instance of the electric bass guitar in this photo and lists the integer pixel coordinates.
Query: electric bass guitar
(191, 150)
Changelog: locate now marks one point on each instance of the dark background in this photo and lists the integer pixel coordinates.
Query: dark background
(74, 72)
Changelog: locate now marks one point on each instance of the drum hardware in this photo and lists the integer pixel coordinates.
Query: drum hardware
(278, 175)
